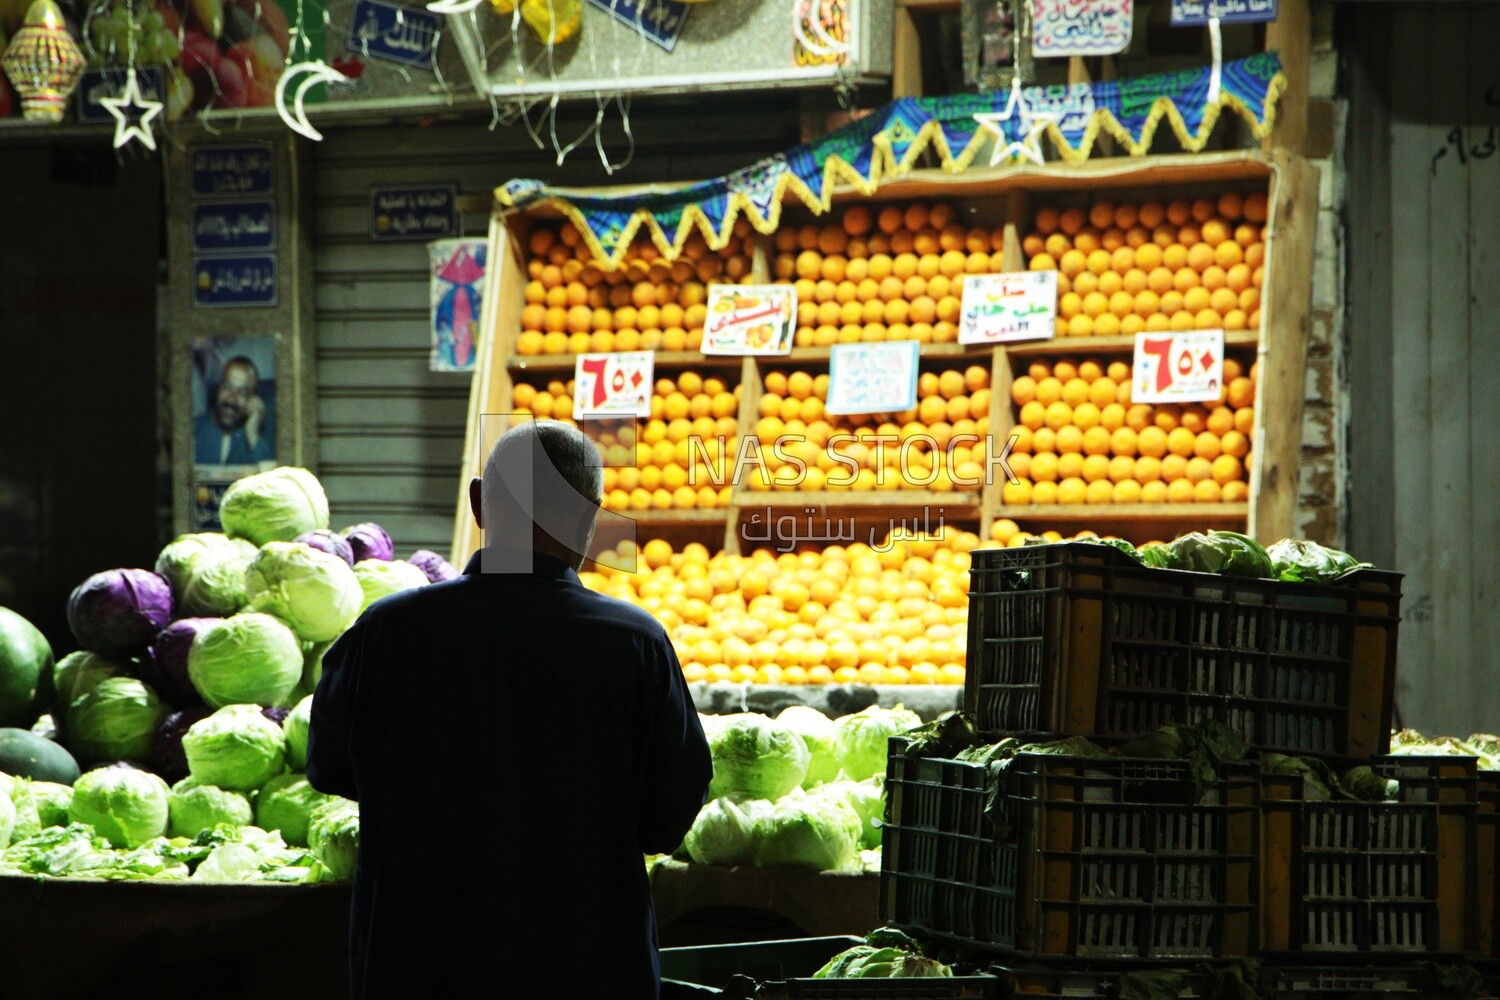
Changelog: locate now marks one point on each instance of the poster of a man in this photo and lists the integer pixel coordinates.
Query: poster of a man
(234, 397)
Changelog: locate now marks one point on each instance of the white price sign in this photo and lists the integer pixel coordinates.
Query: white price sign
(873, 378)
(613, 385)
(750, 319)
(1015, 306)
(1185, 367)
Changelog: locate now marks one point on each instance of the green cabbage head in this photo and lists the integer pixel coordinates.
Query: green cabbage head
(274, 506)
(236, 748)
(250, 659)
(863, 739)
(810, 831)
(296, 725)
(816, 730)
(333, 835)
(194, 807)
(317, 594)
(725, 831)
(756, 757)
(115, 721)
(207, 573)
(52, 802)
(77, 674)
(867, 799)
(126, 806)
(286, 803)
(383, 577)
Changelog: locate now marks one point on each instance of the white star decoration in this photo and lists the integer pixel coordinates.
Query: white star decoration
(1030, 146)
(126, 128)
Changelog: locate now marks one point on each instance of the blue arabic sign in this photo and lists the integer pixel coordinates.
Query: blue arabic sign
(243, 280)
(659, 20)
(1187, 13)
(227, 171)
(97, 83)
(234, 225)
(414, 213)
(393, 33)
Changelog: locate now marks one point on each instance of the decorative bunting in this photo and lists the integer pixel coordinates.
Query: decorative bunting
(887, 144)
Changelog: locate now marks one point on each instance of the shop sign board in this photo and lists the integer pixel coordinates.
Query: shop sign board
(239, 280)
(428, 212)
(230, 171)
(392, 33)
(1080, 27)
(660, 21)
(873, 378)
(1003, 307)
(230, 226)
(1191, 13)
(1186, 367)
(614, 385)
(750, 319)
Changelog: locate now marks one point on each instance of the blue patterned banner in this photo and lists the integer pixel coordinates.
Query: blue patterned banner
(887, 143)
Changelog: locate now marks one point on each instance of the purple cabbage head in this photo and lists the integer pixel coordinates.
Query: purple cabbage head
(369, 541)
(328, 541)
(435, 566)
(168, 759)
(276, 715)
(118, 612)
(170, 656)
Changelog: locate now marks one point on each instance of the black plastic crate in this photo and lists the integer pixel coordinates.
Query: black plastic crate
(1385, 879)
(1080, 638)
(1093, 857)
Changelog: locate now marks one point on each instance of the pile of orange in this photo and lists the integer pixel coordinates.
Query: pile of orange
(947, 433)
(681, 458)
(1126, 268)
(1079, 439)
(831, 615)
(883, 273)
(1006, 532)
(573, 305)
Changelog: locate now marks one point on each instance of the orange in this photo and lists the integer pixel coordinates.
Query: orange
(1058, 414)
(1096, 441)
(1234, 444)
(1181, 441)
(1173, 467)
(1072, 491)
(1235, 492)
(1121, 468)
(1099, 491)
(1151, 214)
(1074, 391)
(1072, 263)
(1049, 390)
(1147, 470)
(1207, 445)
(1226, 469)
(1033, 415)
(1040, 493)
(1154, 492)
(1198, 469)
(1180, 491)
(1095, 468)
(1086, 415)
(1241, 392)
(1206, 491)
(1043, 468)
(1016, 493)
(1124, 442)
(1112, 417)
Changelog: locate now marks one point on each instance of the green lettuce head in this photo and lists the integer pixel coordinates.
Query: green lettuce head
(756, 757)
(863, 739)
(236, 748)
(315, 593)
(52, 802)
(296, 725)
(126, 806)
(1228, 553)
(381, 578)
(207, 573)
(194, 807)
(274, 506)
(287, 803)
(867, 799)
(333, 836)
(1308, 562)
(77, 674)
(725, 831)
(810, 831)
(250, 659)
(816, 730)
(115, 721)
(7, 821)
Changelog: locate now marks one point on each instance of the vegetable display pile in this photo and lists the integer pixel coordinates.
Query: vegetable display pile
(798, 790)
(188, 701)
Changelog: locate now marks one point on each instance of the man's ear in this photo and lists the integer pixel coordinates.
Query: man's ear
(476, 501)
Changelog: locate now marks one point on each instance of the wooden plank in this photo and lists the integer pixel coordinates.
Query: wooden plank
(1146, 512)
(561, 365)
(1122, 345)
(1483, 542)
(1450, 502)
(1291, 35)
(1002, 424)
(1276, 450)
(906, 54)
(871, 500)
(1412, 144)
(753, 386)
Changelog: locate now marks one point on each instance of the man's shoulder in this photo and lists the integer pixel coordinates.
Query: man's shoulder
(623, 614)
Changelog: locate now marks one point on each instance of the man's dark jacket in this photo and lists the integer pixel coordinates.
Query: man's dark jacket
(516, 743)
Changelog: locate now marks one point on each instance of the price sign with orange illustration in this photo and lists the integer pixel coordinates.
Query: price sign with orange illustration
(613, 385)
(750, 319)
(1186, 367)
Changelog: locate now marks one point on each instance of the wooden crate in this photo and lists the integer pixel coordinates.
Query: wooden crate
(1008, 197)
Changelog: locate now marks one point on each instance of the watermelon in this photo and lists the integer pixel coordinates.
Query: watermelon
(27, 755)
(25, 671)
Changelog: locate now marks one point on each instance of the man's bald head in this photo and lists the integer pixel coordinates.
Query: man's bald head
(237, 387)
(541, 490)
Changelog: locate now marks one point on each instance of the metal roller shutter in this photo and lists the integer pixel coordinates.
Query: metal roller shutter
(390, 432)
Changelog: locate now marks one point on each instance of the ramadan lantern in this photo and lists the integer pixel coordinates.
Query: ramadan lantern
(43, 62)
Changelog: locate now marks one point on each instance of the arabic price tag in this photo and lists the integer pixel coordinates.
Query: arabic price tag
(1195, 13)
(1003, 307)
(873, 378)
(614, 385)
(750, 319)
(1080, 27)
(1178, 367)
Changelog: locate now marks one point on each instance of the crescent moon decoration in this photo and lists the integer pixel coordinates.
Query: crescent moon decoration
(296, 117)
(453, 6)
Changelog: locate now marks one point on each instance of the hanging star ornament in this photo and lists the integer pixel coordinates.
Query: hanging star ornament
(127, 126)
(1035, 123)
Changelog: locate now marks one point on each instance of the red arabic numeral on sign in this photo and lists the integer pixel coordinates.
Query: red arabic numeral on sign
(1185, 363)
(595, 367)
(1162, 350)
